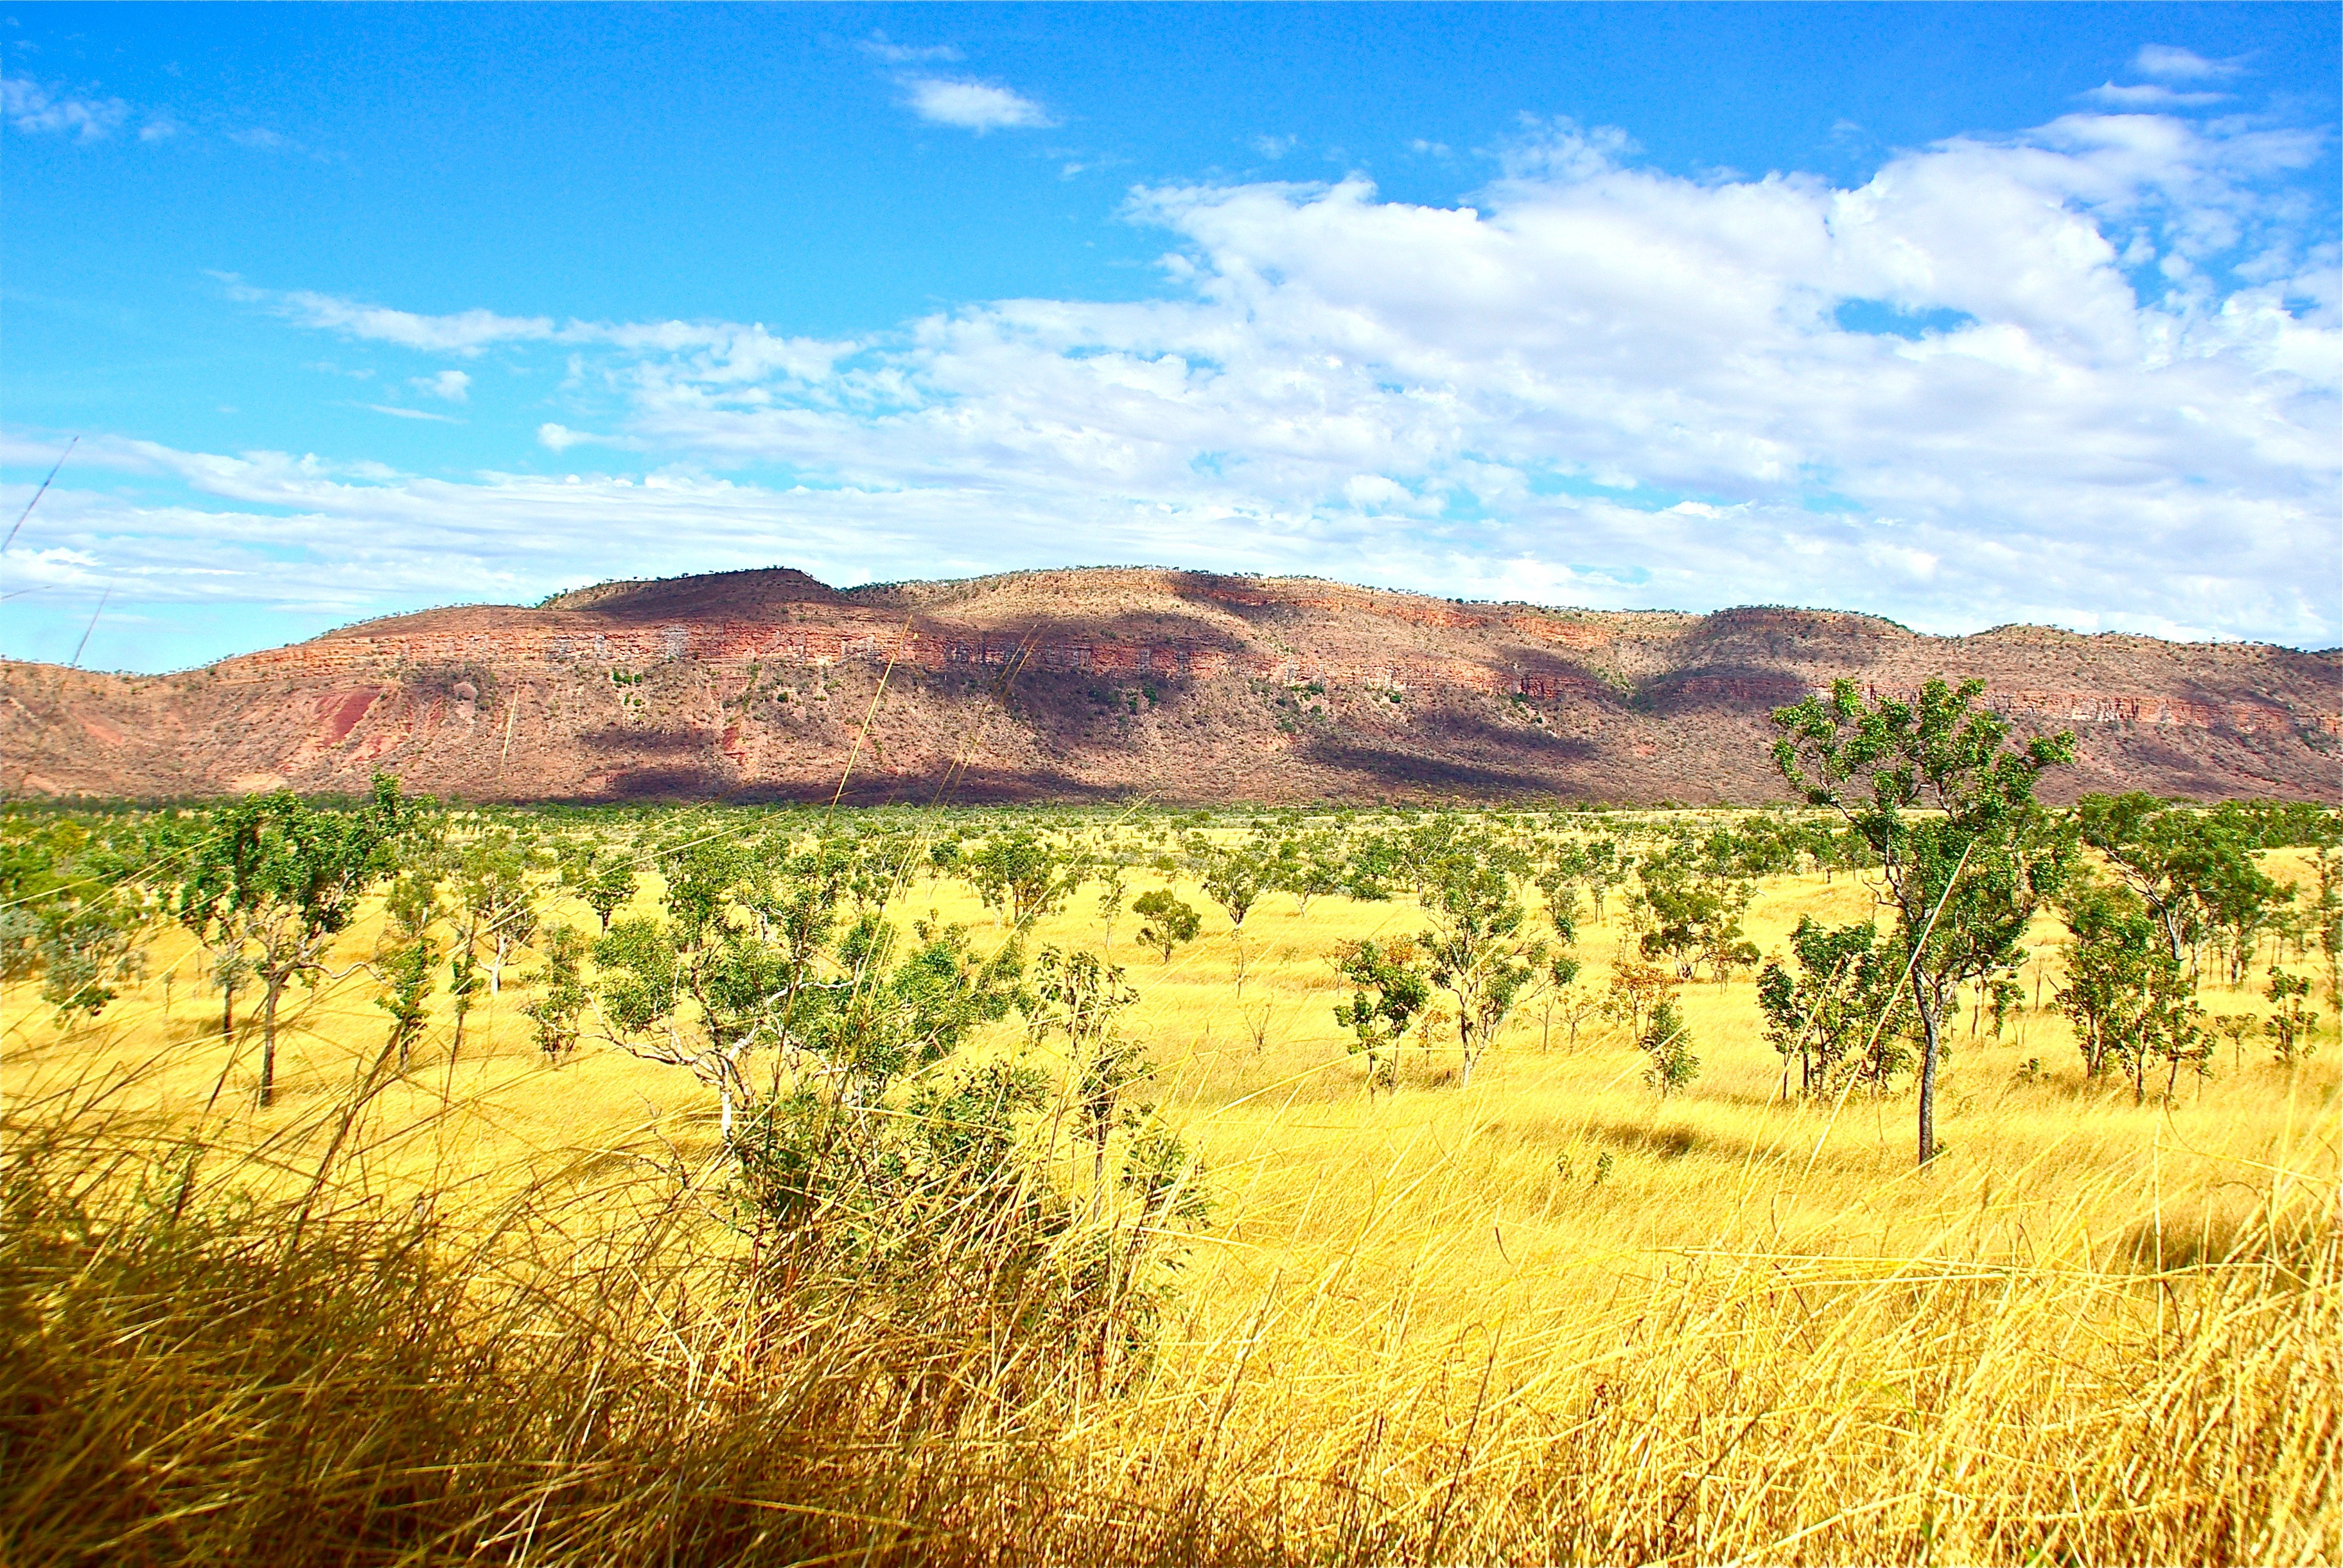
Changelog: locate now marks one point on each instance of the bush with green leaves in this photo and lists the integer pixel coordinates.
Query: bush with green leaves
(1666, 1042)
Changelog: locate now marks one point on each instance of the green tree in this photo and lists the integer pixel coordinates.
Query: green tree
(1667, 1043)
(2130, 998)
(1082, 998)
(1478, 948)
(273, 881)
(562, 996)
(1171, 922)
(1021, 875)
(1843, 1002)
(1951, 817)
(74, 907)
(1388, 989)
(407, 959)
(2292, 1028)
(600, 877)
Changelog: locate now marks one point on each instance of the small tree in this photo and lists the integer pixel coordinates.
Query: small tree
(1477, 949)
(1388, 990)
(1082, 998)
(1170, 921)
(556, 1011)
(1951, 817)
(2130, 996)
(275, 881)
(1843, 1002)
(408, 960)
(598, 877)
(1667, 1041)
(2292, 1028)
(1019, 875)
(1115, 890)
(1635, 992)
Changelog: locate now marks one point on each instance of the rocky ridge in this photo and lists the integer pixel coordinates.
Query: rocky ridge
(1093, 684)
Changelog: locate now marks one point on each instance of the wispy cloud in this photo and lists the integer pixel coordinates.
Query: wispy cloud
(464, 332)
(39, 110)
(398, 412)
(2183, 65)
(1274, 146)
(879, 46)
(2150, 96)
(978, 106)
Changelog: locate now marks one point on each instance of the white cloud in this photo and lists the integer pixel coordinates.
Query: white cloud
(399, 413)
(2150, 96)
(38, 111)
(879, 48)
(978, 106)
(2183, 65)
(1274, 146)
(260, 138)
(464, 332)
(1598, 384)
(453, 385)
(160, 127)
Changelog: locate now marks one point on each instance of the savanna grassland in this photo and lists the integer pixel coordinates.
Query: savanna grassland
(514, 1304)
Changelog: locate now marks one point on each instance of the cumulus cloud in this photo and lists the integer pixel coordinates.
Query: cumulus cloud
(2085, 374)
(978, 106)
(453, 385)
(39, 110)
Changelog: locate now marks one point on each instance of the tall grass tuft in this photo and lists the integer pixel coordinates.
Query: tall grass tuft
(223, 1356)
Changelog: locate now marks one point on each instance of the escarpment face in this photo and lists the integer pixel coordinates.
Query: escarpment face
(1091, 684)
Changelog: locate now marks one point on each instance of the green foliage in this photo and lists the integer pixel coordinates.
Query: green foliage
(1477, 949)
(1666, 1042)
(2128, 994)
(1021, 875)
(74, 908)
(1171, 922)
(2292, 1028)
(269, 880)
(562, 995)
(1695, 897)
(1950, 815)
(600, 878)
(1235, 876)
(1843, 1005)
(1388, 990)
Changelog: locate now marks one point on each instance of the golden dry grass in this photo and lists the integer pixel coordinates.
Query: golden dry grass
(1548, 1318)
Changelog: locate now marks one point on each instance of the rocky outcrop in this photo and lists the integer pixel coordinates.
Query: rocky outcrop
(1086, 684)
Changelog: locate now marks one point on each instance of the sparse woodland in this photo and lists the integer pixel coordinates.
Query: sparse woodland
(1915, 1173)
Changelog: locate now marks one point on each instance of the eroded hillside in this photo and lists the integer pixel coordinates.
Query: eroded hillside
(1090, 684)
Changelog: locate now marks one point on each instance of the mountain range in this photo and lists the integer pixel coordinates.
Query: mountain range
(1102, 683)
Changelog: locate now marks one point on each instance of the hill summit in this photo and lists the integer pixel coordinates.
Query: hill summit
(1097, 683)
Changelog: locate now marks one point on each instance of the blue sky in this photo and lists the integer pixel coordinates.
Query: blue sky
(1962, 315)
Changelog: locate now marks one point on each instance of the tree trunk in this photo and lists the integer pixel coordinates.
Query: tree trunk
(268, 1042)
(1927, 1071)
